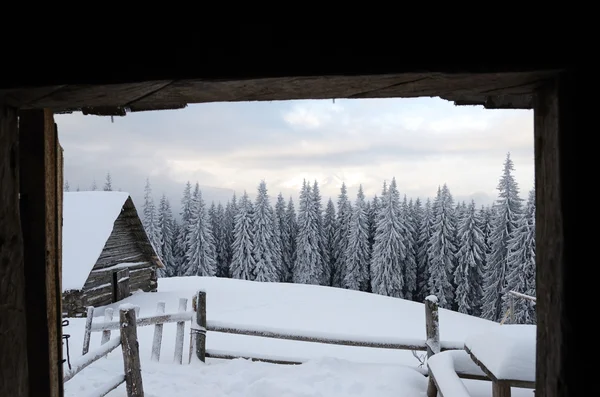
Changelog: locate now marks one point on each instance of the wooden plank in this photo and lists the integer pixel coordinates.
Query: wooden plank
(144, 321)
(158, 331)
(560, 118)
(131, 353)
(13, 329)
(57, 277)
(201, 325)
(178, 356)
(87, 330)
(264, 360)
(108, 316)
(39, 212)
(87, 359)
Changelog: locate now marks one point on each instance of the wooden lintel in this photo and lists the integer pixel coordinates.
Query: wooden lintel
(41, 215)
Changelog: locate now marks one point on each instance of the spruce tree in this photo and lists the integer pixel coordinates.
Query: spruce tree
(94, 187)
(329, 230)
(217, 223)
(308, 267)
(423, 244)
(177, 251)
(150, 220)
(165, 222)
(469, 262)
(282, 232)
(521, 265)
(442, 249)
(387, 267)
(201, 255)
(243, 263)
(182, 238)
(410, 261)
(67, 187)
(231, 210)
(108, 183)
(289, 250)
(341, 238)
(264, 249)
(318, 211)
(357, 252)
(507, 213)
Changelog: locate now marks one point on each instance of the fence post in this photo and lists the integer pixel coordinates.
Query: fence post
(432, 329)
(88, 330)
(158, 330)
(511, 303)
(201, 322)
(108, 316)
(180, 331)
(137, 311)
(131, 352)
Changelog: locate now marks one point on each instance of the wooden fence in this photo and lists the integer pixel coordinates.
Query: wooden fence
(510, 312)
(132, 373)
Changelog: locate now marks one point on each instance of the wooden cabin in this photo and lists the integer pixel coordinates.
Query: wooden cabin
(106, 252)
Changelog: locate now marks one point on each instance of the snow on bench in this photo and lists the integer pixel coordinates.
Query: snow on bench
(506, 354)
(446, 369)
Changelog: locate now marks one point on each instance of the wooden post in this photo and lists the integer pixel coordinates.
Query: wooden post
(137, 311)
(432, 331)
(87, 333)
(108, 316)
(13, 325)
(131, 353)
(201, 323)
(511, 307)
(180, 331)
(41, 223)
(500, 389)
(158, 331)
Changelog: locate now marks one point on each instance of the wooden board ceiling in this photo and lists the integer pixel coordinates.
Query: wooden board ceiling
(513, 90)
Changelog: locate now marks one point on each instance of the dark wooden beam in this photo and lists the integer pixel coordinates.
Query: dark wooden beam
(13, 330)
(559, 241)
(41, 214)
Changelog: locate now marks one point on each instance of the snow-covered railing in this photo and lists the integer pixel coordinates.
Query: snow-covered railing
(132, 376)
(157, 320)
(510, 312)
(201, 326)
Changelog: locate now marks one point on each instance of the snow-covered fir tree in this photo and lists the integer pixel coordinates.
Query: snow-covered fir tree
(508, 208)
(266, 267)
(318, 211)
(468, 275)
(521, 265)
(201, 255)
(308, 266)
(357, 252)
(217, 221)
(150, 220)
(231, 210)
(423, 244)
(165, 224)
(181, 242)
(389, 251)
(442, 248)
(177, 251)
(373, 211)
(243, 263)
(410, 262)
(282, 238)
(329, 229)
(67, 187)
(344, 213)
(289, 249)
(77, 189)
(94, 186)
(108, 183)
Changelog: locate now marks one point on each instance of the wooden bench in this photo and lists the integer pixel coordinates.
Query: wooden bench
(448, 368)
(506, 355)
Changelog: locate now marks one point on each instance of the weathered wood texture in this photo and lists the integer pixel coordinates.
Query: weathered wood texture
(158, 331)
(494, 90)
(13, 331)
(41, 215)
(144, 321)
(121, 285)
(178, 355)
(87, 330)
(108, 316)
(131, 353)
(201, 325)
(558, 124)
(126, 249)
(432, 331)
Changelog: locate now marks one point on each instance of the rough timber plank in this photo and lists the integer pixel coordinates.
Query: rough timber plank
(559, 158)
(39, 214)
(113, 99)
(13, 331)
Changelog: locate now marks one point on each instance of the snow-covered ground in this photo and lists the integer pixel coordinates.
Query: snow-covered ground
(328, 370)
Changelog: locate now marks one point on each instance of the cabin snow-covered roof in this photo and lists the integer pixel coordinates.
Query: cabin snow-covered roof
(88, 221)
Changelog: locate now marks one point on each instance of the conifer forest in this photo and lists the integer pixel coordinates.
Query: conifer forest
(469, 256)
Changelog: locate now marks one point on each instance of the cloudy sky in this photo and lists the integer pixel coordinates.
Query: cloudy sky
(230, 147)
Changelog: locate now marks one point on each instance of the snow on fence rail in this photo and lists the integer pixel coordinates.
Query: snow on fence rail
(157, 320)
(201, 326)
(510, 312)
(132, 376)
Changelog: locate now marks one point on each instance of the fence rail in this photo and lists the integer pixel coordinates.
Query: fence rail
(132, 376)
